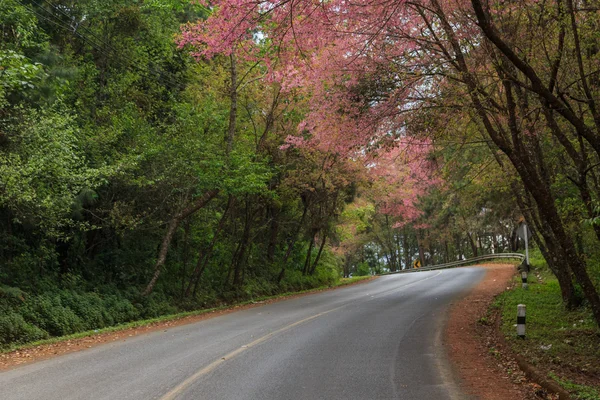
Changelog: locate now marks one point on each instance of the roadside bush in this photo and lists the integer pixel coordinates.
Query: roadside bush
(48, 313)
(64, 312)
(536, 260)
(59, 310)
(207, 297)
(363, 269)
(118, 310)
(88, 307)
(11, 296)
(155, 305)
(560, 340)
(14, 329)
(259, 287)
(327, 274)
(293, 281)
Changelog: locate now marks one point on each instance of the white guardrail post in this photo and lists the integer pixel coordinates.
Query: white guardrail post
(521, 311)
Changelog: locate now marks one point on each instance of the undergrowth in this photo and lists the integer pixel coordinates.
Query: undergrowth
(566, 343)
(68, 315)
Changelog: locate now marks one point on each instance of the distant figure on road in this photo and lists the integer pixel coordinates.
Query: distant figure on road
(417, 263)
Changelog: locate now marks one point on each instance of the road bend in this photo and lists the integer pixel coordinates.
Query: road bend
(377, 340)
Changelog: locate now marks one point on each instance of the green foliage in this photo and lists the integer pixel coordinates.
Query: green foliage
(156, 305)
(14, 330)
(107, 132)
(18, 73)
(260, 288)
(11, 295)
(296, 281)
(581, 392)
(45, 172)
(554, 334)
(19, 28)
(363, 269)
(595, 220)
(66, 311)
(246, 176)
(48, 313)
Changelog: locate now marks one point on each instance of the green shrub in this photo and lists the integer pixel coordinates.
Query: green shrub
(156, 305)
(11, 295)
(48, 313)
(14, 329)
(363, 269)
(88, 307)
(207, 297)
(118, 310)
(292, 281)
(259, 287)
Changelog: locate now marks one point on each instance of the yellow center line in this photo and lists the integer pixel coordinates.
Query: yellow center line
(177, 390)
(210, 367)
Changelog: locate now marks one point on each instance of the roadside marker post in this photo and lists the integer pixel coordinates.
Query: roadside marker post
(521, 308)
(524, 280)
(524, 233)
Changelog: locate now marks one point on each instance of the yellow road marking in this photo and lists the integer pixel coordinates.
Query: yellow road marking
(210, 367)
(177, 390)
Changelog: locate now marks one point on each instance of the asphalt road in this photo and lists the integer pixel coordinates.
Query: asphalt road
(378, 340)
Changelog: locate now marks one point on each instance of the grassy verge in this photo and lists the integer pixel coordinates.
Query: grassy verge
(563, 344)
(173, 317)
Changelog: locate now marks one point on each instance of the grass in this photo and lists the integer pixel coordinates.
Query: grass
(564, 343)
(173, 317)
(582, 392)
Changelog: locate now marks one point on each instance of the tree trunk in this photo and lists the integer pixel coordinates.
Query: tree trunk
(273, 232)
(472, 243)
(398, 248)
(446, 252)
(514, 147)
(390, 244)
(457, 239)
(420, 246)
(185, 256)
(171, 230)
(345, 268)
(238, 261)
(314, 266)
(307, 262)
(292, 243)
(548, 248)
(204, 257)
(407, 255)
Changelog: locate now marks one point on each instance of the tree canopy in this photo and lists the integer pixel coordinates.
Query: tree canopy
(169, 155)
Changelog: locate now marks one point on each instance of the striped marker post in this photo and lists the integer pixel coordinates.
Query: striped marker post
(521, 321)
(524, 279)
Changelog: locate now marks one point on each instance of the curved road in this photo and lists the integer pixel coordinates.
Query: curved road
(377, 340)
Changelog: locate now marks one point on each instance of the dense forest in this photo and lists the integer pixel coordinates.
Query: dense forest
(152, 161)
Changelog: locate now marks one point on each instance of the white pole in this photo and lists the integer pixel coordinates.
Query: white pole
(526, 246)
(521, 320)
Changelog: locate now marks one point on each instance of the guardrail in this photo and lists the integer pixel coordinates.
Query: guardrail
(453, 264)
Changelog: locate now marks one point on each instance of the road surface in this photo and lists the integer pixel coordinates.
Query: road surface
(377, 340)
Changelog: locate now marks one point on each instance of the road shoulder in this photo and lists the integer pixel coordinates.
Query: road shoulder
(481, 373)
